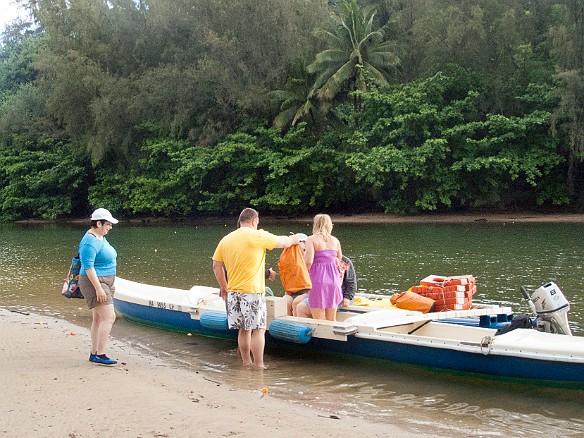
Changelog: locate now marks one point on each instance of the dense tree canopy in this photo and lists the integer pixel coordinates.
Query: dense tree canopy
(198, 107)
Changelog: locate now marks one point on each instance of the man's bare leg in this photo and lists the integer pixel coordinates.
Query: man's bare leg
(244, 342)
(258, 342)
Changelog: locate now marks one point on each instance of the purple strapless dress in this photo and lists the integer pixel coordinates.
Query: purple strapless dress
(326, 290)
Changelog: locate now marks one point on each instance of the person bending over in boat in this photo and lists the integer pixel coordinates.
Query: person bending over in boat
(323, 259)
(294, 274)
(349, 288)
(349, 285)
(240, 257)
(96, 282)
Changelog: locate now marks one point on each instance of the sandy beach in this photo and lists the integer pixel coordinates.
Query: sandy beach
(378, 218)
(50, 389)
(361, 218)
(455, 218)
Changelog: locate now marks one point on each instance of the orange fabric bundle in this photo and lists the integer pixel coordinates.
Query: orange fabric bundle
(413, 301)
(293, 271)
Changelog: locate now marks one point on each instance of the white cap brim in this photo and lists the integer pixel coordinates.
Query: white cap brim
(103, 214)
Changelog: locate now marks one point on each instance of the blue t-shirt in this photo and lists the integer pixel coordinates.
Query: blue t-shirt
(98, 254)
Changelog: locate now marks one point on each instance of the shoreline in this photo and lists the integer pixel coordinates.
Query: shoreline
(458, 218)
(51, 389)
(361, 218)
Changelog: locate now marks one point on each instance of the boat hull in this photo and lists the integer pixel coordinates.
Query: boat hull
(400, 350)
(167, 319)
(489, 365)
(402, 337)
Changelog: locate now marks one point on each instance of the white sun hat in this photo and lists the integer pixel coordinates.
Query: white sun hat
(302, 237)
(103, 214)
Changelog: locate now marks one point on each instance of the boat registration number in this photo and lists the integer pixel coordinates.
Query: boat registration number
(161, 305)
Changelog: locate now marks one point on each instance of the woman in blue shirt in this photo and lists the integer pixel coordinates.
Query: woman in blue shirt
(96, 281)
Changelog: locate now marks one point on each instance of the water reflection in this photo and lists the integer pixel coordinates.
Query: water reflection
(388, 258)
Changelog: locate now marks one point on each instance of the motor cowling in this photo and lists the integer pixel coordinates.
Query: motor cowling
(551, 306)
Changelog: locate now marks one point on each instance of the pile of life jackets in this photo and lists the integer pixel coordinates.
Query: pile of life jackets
(449, 293)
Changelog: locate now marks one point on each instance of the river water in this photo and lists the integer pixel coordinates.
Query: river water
(388, 258)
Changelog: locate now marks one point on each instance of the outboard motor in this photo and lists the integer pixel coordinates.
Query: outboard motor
(551, 306)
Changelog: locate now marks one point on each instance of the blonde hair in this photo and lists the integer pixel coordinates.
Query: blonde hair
(323, 226)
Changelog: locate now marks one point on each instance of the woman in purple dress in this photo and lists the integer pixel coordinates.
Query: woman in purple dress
(322, 256)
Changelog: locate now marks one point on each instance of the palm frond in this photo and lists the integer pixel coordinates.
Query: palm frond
(323, 77)
(383, 60)
(376, 76)
(280, 95)
(284, 118)
(304, 111)
(336, 82)
(330, 38)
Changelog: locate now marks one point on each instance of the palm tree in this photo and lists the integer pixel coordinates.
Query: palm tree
(357, 55)
(297, 101)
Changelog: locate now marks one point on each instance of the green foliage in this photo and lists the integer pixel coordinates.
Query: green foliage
(158, 107)
(507, 161)
(503, 42)
(40, 181)
(272, 172)
(22, 114)
(426, 151)
(305, 174)
(235, 174)
(110, 65)
(22, 104)
(166, 181)
(567, 38)
(19, 51)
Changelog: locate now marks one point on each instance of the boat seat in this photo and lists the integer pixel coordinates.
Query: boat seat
(322, 328)
(381, 315)
(203, 295)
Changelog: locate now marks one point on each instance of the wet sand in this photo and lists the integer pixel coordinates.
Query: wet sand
(523, 217)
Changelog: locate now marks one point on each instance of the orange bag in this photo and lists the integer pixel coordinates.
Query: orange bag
(413, 301)
(293, 271)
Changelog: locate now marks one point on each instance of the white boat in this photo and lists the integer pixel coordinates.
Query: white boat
(391, 334)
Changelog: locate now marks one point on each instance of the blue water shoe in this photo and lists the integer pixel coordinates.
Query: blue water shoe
(102, 359)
